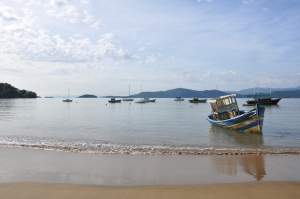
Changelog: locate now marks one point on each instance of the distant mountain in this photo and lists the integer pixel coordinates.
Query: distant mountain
(88, 96)
(252, 91)
(8, 91)
(182, 92)
(287, 93)
(273, 92)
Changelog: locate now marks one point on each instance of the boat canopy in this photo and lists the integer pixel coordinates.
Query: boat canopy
(224, 104)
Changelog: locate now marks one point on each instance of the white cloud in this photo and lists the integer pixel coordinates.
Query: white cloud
(40, 45)
(71, 11)
(7, 14)
(18, 36)
(204, 1)
(247, 1)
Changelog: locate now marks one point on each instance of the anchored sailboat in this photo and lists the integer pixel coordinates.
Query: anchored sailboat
(128, 99)
(68, 99)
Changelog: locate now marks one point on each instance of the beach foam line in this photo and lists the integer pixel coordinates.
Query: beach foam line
(101, 147)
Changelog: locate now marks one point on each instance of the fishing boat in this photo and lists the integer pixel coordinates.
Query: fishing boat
(114, 100)
(179, 99)
(196, 100)
(145, 100)
(263, 101)
(226, 113)
(68, 99)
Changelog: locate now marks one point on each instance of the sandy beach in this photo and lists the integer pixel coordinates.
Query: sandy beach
(266, 190)
(39, 174)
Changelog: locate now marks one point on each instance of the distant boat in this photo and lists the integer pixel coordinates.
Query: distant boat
(179, 99)
(226, 113)
(128, 99)
(263, 101)
(114, 100)
(145, 100)
(196, 100)
(68, 99)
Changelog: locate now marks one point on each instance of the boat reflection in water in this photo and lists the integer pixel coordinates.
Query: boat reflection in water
(253, 165)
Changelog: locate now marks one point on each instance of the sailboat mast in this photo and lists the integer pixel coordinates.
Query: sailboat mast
(128, 90)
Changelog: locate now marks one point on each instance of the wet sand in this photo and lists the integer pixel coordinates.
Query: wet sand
(50, 174)
(266, 190)
(24, 165)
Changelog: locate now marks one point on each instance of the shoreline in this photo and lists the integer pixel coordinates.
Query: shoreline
(258, 190)
(117, 149)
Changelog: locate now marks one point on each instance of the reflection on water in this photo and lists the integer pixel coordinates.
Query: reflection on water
(6, 107)
(226, 137)
(250, 164)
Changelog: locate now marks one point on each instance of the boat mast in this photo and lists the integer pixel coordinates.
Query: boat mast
(128, 90)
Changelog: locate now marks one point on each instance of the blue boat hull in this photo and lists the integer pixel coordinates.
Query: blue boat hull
(247, 121)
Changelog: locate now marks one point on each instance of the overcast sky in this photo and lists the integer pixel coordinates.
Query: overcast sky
(102, 46)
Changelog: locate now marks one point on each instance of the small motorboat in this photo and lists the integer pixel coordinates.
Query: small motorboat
(196, 100)
(179, 99)
(145, 100)
(263, 101)
(226, 113)
(114, 100)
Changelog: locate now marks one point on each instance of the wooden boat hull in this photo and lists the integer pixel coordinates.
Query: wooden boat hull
(267, 101)
(250, 121)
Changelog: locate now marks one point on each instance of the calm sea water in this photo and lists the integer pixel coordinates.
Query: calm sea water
(93, 124)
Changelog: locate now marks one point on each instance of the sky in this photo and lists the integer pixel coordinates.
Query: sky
(103, 46)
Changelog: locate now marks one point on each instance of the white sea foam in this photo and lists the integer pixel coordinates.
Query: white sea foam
(102, 147)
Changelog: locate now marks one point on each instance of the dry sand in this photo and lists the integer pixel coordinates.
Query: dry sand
(265, 190)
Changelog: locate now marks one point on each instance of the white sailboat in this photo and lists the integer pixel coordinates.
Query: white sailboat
(128, 99)
(68, 99)
(179, 99)
(145, 100)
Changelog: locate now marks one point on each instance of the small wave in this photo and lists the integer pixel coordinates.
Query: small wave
(101, 147)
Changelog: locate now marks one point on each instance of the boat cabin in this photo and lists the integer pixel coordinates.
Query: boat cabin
(224, 107)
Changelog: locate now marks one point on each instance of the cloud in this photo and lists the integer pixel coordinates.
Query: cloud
(246, 2)
(71, 11)
(39, 45)
(20, 36)
(204, 1)
(7, 14)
